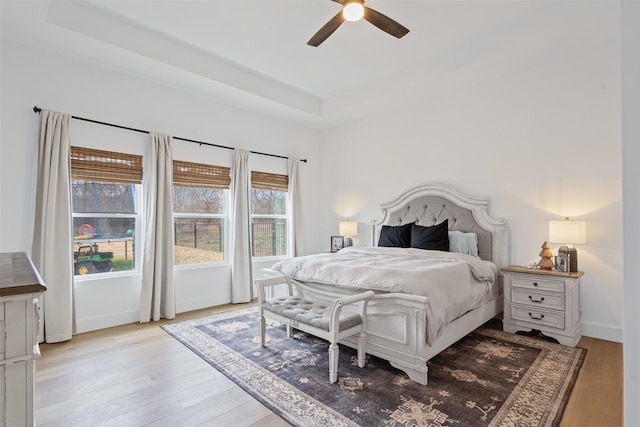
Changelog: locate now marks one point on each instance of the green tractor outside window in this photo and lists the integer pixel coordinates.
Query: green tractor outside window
(88, 260)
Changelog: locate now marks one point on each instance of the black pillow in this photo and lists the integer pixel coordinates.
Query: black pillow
(396, 237)
(435, 237)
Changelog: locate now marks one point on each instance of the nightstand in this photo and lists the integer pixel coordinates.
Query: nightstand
(544, 301)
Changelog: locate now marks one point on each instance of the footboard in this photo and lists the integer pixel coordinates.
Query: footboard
(396, 326)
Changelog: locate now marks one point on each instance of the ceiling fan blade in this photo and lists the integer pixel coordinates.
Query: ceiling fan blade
(385, 23)
(326, 30)
(339, 1)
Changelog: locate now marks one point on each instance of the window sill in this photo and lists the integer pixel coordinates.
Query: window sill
(269, 258)
(200, 266)
(106, 276)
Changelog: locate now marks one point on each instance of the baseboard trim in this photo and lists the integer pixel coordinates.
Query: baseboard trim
(601, 332)
(200, 303)
(89, 324)
(110, 320)
(593, 330)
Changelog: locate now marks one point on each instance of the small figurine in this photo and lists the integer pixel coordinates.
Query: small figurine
(546, 257)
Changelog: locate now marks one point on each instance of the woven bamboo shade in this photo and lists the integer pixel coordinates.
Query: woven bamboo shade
(188, 174)
(269, 181)
(88, 164)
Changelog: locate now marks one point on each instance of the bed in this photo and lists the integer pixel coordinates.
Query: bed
(400, 322)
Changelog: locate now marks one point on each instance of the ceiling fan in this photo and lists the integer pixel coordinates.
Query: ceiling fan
(353, 10)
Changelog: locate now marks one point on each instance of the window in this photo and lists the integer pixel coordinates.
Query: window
(269, 214)
(105, 199)
(200, 194)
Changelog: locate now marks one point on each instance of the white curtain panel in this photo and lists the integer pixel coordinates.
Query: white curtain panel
(51, 247)
(241, 269)
(293, 208)
(157, 295)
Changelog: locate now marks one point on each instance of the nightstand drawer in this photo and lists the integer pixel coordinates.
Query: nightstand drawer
(536, 299)
(537, 283)
(541, 317)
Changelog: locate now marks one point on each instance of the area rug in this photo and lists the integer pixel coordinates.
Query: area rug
(488, 378)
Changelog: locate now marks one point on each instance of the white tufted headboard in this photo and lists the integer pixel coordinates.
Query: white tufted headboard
(430, 204)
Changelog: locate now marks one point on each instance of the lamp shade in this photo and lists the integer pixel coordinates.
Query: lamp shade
(348, 228)
(567, 231)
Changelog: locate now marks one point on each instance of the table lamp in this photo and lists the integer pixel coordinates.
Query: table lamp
(568, 233)
(348, 229)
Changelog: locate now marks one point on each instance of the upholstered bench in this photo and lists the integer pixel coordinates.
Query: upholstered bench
(328, 322)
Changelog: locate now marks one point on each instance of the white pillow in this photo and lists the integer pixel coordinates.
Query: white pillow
(464, 243)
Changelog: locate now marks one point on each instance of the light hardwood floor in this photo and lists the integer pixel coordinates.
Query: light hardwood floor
(135, 375)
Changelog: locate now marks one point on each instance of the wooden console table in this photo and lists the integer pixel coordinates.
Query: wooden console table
(20, 288)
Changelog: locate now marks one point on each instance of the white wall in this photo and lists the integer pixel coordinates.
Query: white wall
(30, 76)
(542, 142)
(631, 194)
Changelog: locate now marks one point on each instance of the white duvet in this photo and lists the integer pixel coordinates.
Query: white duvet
(455, 283)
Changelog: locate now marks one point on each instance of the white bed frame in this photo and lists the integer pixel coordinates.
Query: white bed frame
(396, 323)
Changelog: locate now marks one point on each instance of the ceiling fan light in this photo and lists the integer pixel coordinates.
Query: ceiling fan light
(353, 11)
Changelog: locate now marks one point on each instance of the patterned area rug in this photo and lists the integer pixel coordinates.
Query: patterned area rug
(488, 378)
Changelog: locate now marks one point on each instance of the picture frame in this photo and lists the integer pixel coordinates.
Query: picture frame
(562, 263)
(337, 243)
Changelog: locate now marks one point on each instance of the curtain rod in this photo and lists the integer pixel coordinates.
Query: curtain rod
(37, 109)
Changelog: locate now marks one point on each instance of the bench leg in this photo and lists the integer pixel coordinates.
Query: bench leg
(362, 353)
(261, 327)
(333, 363)
(288, 331)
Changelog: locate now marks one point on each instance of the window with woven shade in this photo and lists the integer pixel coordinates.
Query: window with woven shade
(188, 174)
(200, 195)
(89, 164)
(269, 214)
(105, 192)
(269, 181)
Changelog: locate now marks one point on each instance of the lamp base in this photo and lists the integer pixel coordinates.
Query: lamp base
(347, 242)
(572, 254)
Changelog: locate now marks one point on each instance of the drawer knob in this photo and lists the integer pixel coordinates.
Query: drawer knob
(536, 300)
(536, 318)
(535, 283)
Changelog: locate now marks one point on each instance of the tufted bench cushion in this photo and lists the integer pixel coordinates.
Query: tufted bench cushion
(328, 322)
(310, 313)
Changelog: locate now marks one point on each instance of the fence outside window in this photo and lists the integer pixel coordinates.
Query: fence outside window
(198, 240)
(269, 237)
